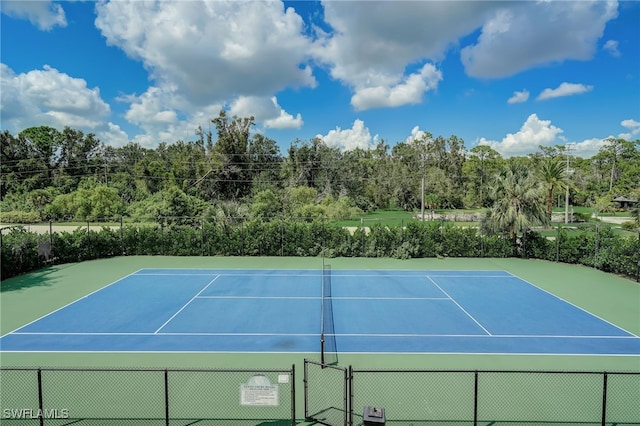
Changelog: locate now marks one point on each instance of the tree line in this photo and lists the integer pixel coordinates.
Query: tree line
(234, 172)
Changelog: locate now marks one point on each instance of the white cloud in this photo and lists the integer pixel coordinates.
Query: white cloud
(523, 35)
(536, 132)
(42, 13)
(49, 97)
(519, 97)
(533, 133)
(357, 136)
(408, 91)
(151, 108)
(372, 43)
(416, 135)
(587, 148)
(611, 46)
(265, 110)
(284, 121)
(211, 51)
(634, 129)
(165, 116)
(565, 89)
(113, 135)
(204, 54)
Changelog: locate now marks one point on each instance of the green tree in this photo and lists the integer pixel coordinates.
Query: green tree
(518, 203)
(553, 174)
(482, 162)
(79, 153)
(266, 205)
(231, 155)
(264, 163)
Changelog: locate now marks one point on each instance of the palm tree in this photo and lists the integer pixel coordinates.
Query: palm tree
(553, 174)
(518, 202)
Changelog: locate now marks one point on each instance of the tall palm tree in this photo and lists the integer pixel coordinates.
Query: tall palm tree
(553, 174)
(518, 198)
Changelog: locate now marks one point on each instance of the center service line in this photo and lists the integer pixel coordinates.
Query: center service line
(186, 304)
(458, 305)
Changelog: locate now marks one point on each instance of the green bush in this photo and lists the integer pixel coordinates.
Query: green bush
(22, 251)
(19, 217)
(628, 225)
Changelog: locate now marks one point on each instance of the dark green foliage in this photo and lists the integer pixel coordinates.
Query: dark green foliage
(24, 251)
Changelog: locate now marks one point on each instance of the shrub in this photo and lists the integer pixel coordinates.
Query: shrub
(19, 217)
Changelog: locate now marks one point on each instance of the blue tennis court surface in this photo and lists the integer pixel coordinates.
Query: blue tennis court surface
(180, 310)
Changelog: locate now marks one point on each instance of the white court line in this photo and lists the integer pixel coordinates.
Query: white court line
(160, 334)
(575, 306)
(320, 297)
(471, 276)
(458, 305)
(345, 352)
(186, 304)
(227, 274)
(483, 336)
(262, 297)
(404, 335)
(71, 303)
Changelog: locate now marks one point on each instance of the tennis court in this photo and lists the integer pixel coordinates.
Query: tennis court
(285, 311)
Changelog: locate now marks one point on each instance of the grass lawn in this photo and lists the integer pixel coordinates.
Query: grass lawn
(379, 217)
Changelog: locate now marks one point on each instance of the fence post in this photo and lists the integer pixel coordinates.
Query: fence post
(306, 389)
(122, 236)
(475, 399)
(558, 244)
(604, 399)
(40, 404)
(202, 237)
(293, 395)
(166, 396)
(597, 244)
(350, 395)
(638, 268)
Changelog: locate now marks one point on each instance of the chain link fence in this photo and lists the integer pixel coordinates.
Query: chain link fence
(496, 398)
(326, 393)
(64, 396)
(413, 395)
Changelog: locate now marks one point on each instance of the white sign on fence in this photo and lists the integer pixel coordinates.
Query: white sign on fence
(259, 391)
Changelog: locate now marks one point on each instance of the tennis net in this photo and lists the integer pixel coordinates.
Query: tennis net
(328, 346)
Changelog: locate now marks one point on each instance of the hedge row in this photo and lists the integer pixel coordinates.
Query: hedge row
(24, 251)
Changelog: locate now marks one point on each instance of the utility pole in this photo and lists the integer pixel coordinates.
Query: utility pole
(567, 148)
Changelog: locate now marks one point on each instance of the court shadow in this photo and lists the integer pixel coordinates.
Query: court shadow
(39, 278)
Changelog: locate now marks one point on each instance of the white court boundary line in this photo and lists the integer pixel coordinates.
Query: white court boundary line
(342, 352)
(403, 335)
(71, 303)
(187, 304)
(573, 304)
(320, 298)
(459, 306)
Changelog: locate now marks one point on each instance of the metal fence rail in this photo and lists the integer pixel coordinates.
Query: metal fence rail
(470, 397)
(57, 396)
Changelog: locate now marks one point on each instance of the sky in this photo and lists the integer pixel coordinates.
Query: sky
(511, 75)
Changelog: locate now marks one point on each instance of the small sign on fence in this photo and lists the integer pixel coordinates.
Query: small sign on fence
(259, 391)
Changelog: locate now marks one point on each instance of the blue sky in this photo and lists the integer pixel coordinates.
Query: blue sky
(512, 75)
